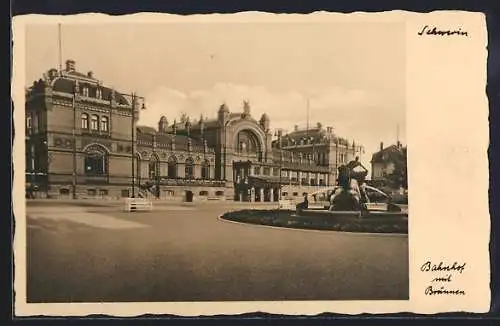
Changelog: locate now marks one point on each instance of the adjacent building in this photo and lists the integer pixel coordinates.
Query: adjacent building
(82, 140)
(389, 165)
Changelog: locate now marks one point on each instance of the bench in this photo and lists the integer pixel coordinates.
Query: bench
(138, 204)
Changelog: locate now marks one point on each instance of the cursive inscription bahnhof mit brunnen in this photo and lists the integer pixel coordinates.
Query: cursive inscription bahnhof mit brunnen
(446, 271)
(427, 30)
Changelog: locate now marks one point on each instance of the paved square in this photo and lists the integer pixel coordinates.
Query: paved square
(182, 252)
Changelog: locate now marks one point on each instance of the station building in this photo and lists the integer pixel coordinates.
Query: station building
(83, 141)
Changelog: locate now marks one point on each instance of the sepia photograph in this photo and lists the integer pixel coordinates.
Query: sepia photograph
(216, 162)
(226, 164)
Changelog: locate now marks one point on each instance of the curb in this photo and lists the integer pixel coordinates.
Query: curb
(347, 233)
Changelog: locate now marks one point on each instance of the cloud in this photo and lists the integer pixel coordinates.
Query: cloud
(368, 117)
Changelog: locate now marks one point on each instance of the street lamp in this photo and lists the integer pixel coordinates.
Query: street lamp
(157, 170)
(279, 134)
(134, 111)
(134, 98)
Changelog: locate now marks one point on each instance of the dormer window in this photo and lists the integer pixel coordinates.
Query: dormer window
(85, 91)
(98, 93)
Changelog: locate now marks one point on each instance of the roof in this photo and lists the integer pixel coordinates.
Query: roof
(195, 125)
(65, 81)
(146, 130)
(389, 154)
(313, 135)
(145, 137)
(177, 139)
(66, 85)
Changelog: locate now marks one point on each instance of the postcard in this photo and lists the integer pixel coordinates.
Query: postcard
(232, 163)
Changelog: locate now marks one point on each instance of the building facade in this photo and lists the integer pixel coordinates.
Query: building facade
(389, 165)
(83, 141)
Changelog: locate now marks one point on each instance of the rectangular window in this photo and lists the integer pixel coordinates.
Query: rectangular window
(189, 171)
(276, 172)
(98, 93)
(104, 124)
(85, 121)
(28, 124)
(95, 165)
(94, 123)
(33, 155)
(256, 170)
(267, 171)
(34, 123)
(91, 192)
(86, 91)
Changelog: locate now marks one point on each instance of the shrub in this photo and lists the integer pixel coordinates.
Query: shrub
(263, 217)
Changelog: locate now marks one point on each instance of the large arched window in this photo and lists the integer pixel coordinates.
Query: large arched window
(172, 167)
(154, 167)
(85, 121)
(205, 170)
(189, 168)
(247, 143)
(104, 124)
(94, 122)
(95, 162)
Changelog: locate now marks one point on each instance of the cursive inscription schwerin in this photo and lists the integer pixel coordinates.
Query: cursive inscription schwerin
(427, 30)
(448, 270)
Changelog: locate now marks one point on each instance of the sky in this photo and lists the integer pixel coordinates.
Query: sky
(352, 74)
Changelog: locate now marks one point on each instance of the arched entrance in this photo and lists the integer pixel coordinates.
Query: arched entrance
(248, 144)
(189, 196)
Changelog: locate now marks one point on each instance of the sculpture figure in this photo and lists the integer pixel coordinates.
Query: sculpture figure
(351, 180)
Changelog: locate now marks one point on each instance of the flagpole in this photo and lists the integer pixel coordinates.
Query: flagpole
(60, 46)
(307, 127)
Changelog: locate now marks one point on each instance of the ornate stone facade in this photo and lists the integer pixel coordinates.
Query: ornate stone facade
(79, 138)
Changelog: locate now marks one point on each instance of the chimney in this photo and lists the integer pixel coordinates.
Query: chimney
(90, 74)
(70, 65)
(381, 145)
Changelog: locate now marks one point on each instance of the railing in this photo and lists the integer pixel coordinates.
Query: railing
(191, 182)
(95, 179)
(137, 204)
(95, 133)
